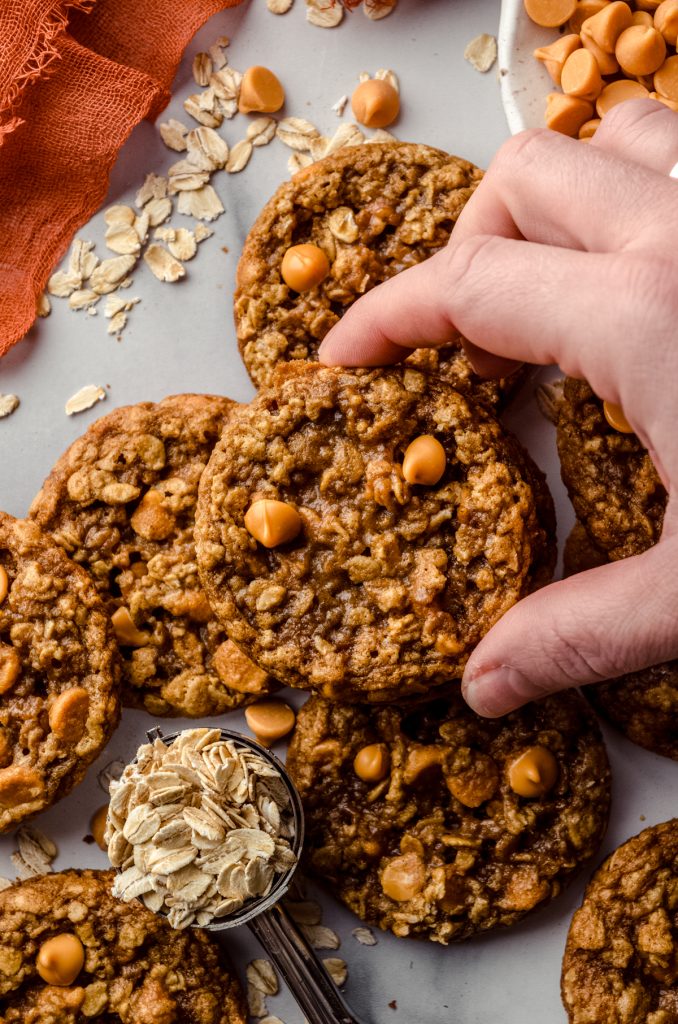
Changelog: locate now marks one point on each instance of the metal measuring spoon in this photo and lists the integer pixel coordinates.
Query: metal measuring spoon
(294, 959)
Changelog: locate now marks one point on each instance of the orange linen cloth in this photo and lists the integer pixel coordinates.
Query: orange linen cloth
(76, 76)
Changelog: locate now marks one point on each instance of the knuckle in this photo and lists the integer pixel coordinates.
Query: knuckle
(520, 151)
(625, 118)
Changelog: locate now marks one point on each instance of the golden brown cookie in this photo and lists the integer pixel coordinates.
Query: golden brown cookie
(435, 822)
(135, 968)
(613, 485)
(620, 960)
(383, 587)
(373, 210)
(59, 672)
(643, 705)
(121, 502)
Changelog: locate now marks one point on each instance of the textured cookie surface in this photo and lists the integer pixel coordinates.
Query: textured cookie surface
(445, 814)
(121, 502)
(621, 958)
(613, 485)
(59, 672)
(643, 705)
(388, 586)
(137, 969)
(374, 210)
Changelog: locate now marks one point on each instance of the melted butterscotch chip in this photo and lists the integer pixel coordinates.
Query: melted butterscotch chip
(59, 672)
(620, 960)
(441, 846)
(78, 954)
(121, 502)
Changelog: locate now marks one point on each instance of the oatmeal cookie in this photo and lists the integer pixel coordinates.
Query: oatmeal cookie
(121, 502)
(389, 585)
(621, 961)
(643, 705)
(438, 843)
(613, 485)
(59, 672)
(136, 968)
(374, 210)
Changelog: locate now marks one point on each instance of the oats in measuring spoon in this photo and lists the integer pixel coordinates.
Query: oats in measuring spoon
(198, 828)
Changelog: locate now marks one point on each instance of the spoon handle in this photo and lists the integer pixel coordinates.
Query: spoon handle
(301, 970)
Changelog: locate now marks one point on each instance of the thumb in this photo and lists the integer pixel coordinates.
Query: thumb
(596, 625)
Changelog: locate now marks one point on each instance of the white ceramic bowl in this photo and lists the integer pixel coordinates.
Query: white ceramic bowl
(525, 82)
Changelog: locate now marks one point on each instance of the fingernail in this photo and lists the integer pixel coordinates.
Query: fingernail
(496, 691)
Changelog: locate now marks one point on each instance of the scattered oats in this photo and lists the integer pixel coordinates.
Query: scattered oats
(364, 936)
(261, 974)
(549, 399)
(163, 264)
(229, 108)
(127, 283)
(226, 83)
(211, 118)
(321, 937)
(36, 849)
(324, 13)
(110, 773)
(343, 225)
(298, 161)
(364, 76)
(202, 232)
(83, 298)
(84, 399)
(296, 132)
(337, 970)
(8, 405)
(184, 176)
(340, 106)
(279, 6)
(173, 134)
(304, 911)
(158, 210)
(377, 9)
(82, 259)
(203, 204)
(261, 131)
(119, 214)
(91, 311)
(6, 882)
(117, 323)
(116, 304)
(386, 75)
(62, 283)
(239, 156)
(256, 1002)
(180, 241)
(108, 275)
(206, 150)
(318, 147)
(202, 69)
(481, 52)
(345, 135)
(154, 187)
(216, 51)
(122, 238)
(381, 135)
(23, 870)
(43, 306)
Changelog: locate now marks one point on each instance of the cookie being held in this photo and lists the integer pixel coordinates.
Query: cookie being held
(620, 961)
(435, 822)
(121, 502)
(59, 672)
(73, 953)
(338, 560)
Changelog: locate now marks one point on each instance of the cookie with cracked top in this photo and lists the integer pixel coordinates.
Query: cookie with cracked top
(137, 969)
(59, 672)
(121, 502)
(374, 210)
(413, 819)
(387, 586)
(620, 960)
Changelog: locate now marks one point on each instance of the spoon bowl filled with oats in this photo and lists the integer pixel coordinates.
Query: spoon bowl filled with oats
(206, 828)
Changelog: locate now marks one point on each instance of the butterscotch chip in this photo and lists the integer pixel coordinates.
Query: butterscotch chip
(401, 201)
(121, 502)
(237, 671)
(134, 967)
(620, 957)
(385, 591)
(431, 850)
(613, 485)
(54, 633)
(643, 705)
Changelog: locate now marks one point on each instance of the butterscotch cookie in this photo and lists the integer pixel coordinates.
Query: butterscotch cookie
(436, 822)
(643, 705)
(613, 485)
(121, 502)
(335, 573)
(70, 952)
(620, 960)
(373, 211)
(59, 672)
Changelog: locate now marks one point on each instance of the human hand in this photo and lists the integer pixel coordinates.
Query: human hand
(567, 253)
